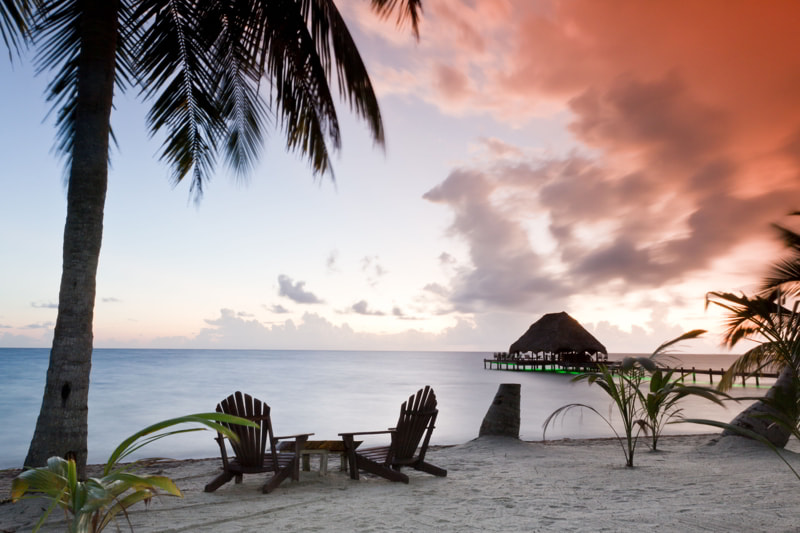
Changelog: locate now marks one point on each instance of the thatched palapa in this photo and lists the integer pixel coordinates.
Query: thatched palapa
(559, 334)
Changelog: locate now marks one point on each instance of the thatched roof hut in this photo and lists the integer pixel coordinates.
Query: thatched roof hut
(558, 333)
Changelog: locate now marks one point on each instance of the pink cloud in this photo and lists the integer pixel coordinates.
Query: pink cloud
(683, 117)
(451, 83)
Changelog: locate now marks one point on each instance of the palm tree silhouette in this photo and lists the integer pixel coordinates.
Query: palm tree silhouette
(775, 328)
(216, 72)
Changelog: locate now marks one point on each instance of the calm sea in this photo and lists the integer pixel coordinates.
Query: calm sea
(324, 392)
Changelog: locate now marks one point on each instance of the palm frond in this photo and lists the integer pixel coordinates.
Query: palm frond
(352, 77)
(773, 326)
(564, 409)
(202, 64)
(751, 317)
(753, 360)
(129, 35)
(14, 18)
(176, 68)
(210, 420)
(56, 31)
(407, 11)
(790, 238)
(241, 105)
(662, 354)
(785, 274)
(744, 432)
(302, 97)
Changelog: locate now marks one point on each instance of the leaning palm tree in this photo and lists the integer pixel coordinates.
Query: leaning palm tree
(776, 331)
(765, 320)
(216, 72)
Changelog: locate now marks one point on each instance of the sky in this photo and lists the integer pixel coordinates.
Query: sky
(613, 159)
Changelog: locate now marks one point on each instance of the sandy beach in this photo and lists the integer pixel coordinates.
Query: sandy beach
(697, 483)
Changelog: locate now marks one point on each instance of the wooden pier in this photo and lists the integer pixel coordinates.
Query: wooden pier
(557, 365)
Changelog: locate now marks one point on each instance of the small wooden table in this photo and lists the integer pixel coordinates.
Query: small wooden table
(321, 448)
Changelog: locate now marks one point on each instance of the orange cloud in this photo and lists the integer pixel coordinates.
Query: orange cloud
(706, 73)
(684, 119)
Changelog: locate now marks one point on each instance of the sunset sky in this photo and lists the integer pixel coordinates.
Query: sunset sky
(612, 159)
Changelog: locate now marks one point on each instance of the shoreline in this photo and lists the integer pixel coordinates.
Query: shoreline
(695, 482)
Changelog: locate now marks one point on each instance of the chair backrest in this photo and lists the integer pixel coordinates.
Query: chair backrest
(417, 420)
(252, 441)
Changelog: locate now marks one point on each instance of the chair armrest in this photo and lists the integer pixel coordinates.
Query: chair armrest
(367, 432)
(222, 449)
(299, 435)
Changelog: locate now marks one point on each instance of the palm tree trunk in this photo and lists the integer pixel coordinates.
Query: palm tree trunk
(756, 417)
(62, 426)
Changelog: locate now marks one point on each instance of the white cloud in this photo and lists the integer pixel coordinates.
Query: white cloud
(296, 291)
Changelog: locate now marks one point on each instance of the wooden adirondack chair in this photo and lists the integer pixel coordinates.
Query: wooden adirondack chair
(416, 423)
(256, 450)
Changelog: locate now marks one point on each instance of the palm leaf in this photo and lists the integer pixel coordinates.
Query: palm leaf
(662, 353)
(14, 16)
(775, 327)
(785, 274)
(352, 78)
(56, 32)
(210, 420)
(176, 71)
(407, 11)
(122, 506)
(304, 105)
(240, 103)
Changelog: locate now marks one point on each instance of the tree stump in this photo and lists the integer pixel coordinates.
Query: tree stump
(502, 418)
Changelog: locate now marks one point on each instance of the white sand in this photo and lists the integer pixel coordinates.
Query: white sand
(494, 484)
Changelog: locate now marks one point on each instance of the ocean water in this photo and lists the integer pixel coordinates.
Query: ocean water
(320, 392)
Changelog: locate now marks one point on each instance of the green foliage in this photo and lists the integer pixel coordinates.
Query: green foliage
(94, 503)
(639, 411)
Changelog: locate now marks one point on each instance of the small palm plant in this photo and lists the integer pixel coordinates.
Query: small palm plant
(660, 403)
(622, 386)
(93, 504)
(639, 411)
(666, 388)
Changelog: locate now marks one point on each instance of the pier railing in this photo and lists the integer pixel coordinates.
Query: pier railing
(557, 365)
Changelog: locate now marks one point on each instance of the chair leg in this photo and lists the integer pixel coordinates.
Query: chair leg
(430, 469)
(379, 470)
(349, 454)
(218, 481)
(273, 482)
